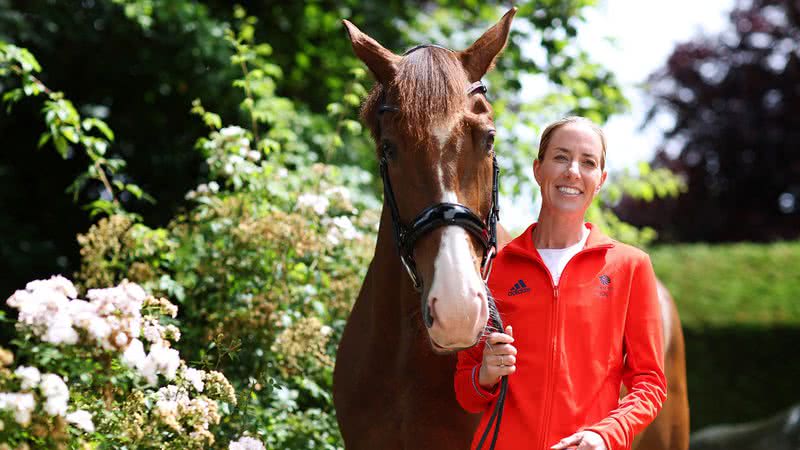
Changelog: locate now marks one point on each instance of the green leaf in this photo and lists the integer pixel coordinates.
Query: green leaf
(28, 61)
(213, 121)
(644, 169)
(92, 122)
(70, 134)
(13, 95)
(135, 190)
(61, 145)
(352, 126)
(100, 206)
(43, 139)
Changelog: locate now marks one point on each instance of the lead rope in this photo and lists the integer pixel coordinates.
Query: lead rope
(497, 322)
(501, 397)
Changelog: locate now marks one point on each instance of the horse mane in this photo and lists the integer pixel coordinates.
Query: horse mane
(429, 87)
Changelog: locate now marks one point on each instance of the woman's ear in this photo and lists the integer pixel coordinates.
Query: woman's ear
(536, 167)
(602, 181)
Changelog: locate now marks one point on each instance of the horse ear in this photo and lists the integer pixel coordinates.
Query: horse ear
(479, 57)
(380, 61)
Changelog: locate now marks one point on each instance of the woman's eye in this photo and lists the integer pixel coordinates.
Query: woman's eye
(590, 163)
(560, 158)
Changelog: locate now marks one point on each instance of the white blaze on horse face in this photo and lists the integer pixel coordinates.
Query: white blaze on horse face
(443, 130)
(460, 310)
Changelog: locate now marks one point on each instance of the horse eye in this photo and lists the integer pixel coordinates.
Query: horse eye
(490, 140)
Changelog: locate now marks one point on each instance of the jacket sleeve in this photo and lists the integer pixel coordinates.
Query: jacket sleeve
(471, 395)
(643, 370)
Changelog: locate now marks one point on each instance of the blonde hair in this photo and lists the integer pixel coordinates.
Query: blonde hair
(548, 132)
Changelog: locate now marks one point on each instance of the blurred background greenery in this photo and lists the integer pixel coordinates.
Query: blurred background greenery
(170, 78)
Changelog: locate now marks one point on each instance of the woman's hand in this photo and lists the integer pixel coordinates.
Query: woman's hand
(582, 440)
(499, 358)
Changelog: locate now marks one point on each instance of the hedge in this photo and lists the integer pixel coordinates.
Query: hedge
(740, 309)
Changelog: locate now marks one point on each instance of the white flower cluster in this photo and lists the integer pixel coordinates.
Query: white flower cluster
(161, 360)
(195, 378)
(21, 404)
(246, 443)
(55, 394)
(112, 317)
(81, 419)
(317, 203)
(339, 194)
(203, 190)
(340, 229)
(51, 310)
(230, 152)
(335, 197)
(177, 409)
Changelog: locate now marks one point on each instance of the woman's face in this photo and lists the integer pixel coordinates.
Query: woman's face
(570, 173)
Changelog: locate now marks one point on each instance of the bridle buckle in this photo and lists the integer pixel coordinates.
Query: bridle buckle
(488, 262)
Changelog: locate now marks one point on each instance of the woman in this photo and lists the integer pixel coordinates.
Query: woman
(584, 313)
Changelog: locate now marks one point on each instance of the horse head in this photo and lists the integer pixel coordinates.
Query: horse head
(434, 135)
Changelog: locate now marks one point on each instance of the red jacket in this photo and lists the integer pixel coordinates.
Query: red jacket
(576, 344)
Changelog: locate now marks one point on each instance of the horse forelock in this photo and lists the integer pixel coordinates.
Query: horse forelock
(429, 90)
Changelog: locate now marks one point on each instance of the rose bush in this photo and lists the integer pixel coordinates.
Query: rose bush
(103, 372)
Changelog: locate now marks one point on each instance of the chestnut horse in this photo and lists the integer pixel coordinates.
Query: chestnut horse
(392, 387)
(393, 380)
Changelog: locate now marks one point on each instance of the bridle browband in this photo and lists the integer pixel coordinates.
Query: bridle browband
(440, 215)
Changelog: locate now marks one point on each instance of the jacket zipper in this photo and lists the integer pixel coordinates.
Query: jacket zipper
(548, 402)
(550, 376)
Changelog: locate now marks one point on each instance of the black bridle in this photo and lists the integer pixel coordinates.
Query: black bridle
(440, 215)
(446, 214)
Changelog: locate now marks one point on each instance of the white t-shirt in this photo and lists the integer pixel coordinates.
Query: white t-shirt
(557, 258)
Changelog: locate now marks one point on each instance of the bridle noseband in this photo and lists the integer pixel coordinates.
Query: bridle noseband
(440, 215)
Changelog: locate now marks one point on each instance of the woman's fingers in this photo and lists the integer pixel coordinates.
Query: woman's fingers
(505, 370)
(570, 441)
(502, 349)
(505, 360)
(499, 338)
(499, 358)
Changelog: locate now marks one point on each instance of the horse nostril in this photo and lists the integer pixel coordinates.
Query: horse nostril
(428, 312)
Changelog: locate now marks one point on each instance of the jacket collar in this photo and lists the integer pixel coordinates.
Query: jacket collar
(523, 243)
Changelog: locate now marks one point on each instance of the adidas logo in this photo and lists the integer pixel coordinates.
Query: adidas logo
(519, 288)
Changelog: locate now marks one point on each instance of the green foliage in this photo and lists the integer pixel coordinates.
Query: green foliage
(647, 184)
(66, 129)
(266, 263)
(733, 285)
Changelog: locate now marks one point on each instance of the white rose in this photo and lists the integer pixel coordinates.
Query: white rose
(30, 377)
(82, 419)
